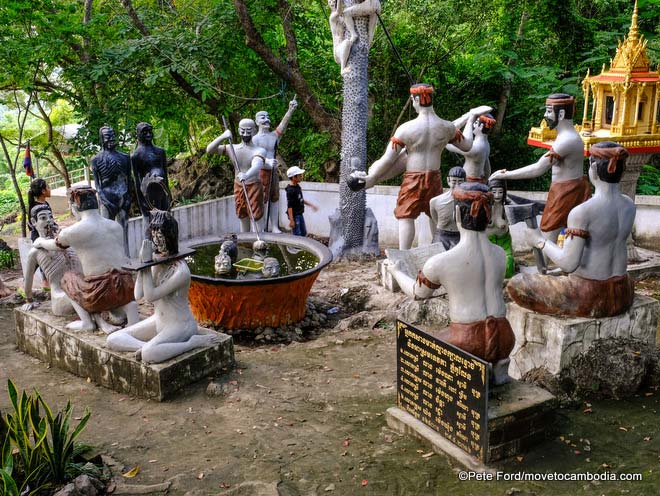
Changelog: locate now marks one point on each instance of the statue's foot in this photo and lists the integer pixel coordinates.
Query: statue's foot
(105, 326)
(202, 340)
(115, 317)
(501, 372)
(79, 325)
(138, 355)
(276, 230)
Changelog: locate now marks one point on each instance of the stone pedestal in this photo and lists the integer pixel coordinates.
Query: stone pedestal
(520, 416)
(552, 342)
(45, 336)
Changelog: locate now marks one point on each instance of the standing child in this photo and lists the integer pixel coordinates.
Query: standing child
(295, 203)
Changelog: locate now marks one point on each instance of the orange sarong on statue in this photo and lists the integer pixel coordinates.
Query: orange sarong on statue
(491, 339)
(562, 198)
(99, 293)
(416, 192)
(255, 192)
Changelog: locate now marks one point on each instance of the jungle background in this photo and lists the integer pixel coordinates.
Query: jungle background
(67, 67)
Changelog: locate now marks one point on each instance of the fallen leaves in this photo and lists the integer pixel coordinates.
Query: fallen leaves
(132, 472)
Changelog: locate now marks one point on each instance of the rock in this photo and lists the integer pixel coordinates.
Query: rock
(329, 487)
(68, 490)
(215, 389)
(85, 485)
(611, 368)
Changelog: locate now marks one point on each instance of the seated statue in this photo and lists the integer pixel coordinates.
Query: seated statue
(442, 211)
(172, 329)
(53, 264)
(99, 243)
(594, 251)
(472, 273)
(498, 227)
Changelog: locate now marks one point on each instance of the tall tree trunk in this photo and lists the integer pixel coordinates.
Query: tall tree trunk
(508, 79)
(61, 164)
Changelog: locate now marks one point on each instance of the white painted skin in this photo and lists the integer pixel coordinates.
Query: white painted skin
(477, 162)
(442, 207)
(172, 329)
(99, 244)
(608, 216)
(342, 20)
(472, 273)
(425, 137)
(268, 140)
(568, 145)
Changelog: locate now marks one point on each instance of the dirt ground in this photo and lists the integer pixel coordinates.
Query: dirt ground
(309, 419)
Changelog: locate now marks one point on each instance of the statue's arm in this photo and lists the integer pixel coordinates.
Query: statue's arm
(536, 169)
(215, 146)
(281, 127)
(30, 269)
(178, 280)
(463, 142)
(568, 258)
(487, 167)
(97, 181)
(46, 244)
(433, 205)
(255, 166)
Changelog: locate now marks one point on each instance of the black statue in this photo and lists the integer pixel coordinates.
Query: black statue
(112, 172)
(150, 173)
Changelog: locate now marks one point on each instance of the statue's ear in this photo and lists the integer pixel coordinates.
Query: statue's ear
(561, 114)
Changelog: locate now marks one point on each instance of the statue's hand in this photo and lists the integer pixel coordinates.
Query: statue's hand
(28, 306)
(357, 180)
(534, 238)
(146, 251)
(241, 176)
(293, 104)
(38, 243)
(271, 163)
(500, 174)
(481, 110)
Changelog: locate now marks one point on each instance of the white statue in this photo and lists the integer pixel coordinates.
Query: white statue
(99, 244)
(477, 161)
(53, 264)
(569, 186)
(416, 148)
(342, 20)
(594, 251)
(268, 140)
(248, 160)
(172, 329)
(443, 211)
(472, 273)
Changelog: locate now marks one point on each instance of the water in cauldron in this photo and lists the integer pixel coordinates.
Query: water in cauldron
(291, 261)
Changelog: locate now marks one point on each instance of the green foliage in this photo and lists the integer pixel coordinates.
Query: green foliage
(44, 445)
(6, 259)
(649, 181)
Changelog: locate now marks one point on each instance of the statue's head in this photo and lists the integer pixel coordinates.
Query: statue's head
(223, 263)
(456, 176)
(262, 119)
(246, 129)
(607, 161)
(107, 138)
(422, 94)
(145, 133)
(82, 198)
(484, 124)
(474, 202)
(164, 233)
(260, 249)
(498, 188)
(42, 219)
(271, 267)
(558, 106)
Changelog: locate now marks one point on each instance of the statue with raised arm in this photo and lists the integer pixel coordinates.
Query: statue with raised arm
(416, 149)
(103, 285)
(477, 162)
(472, 273)
(569, 186)
(53, 264)
(112, 175)
(443, 211)
(594, 251)
(150, 173)
(248, 159)
(268, 140)
(342, 27)
(172, 329)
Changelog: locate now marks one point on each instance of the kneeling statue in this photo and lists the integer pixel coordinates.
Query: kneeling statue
(172, 329)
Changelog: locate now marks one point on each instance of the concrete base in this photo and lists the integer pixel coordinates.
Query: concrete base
(520, 416)
(42, 335)
(552, 342)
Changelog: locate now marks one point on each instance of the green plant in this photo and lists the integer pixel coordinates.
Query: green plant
(37, 451)
(649, 181)
(6, 259)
